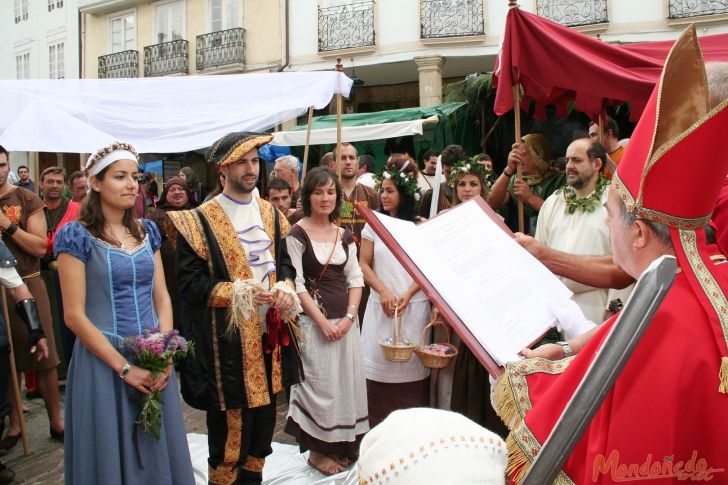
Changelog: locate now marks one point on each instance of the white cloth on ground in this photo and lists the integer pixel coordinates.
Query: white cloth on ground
(284, 466)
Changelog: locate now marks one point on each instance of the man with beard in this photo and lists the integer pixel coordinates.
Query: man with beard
(236, 285)
(354, 193)
(572, 219)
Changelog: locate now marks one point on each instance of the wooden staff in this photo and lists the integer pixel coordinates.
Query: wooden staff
(517, 116)
(308, 142)
(519, 174)
(339, 103)
(601, 130)
(14, 379)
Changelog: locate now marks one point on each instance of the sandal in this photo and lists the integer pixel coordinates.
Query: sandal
(326, 472)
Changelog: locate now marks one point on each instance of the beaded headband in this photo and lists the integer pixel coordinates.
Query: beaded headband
(108, 155)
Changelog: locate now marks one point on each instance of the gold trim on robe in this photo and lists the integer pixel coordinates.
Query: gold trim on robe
(512, 401)
(227, 472)
(188, 224)
(254, 374)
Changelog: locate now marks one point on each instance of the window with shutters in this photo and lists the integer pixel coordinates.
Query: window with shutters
(55, 61)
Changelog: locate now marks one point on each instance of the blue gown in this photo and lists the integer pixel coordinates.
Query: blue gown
(99, 414)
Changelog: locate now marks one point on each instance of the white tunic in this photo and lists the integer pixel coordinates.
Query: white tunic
(581, 233)
(377, 326)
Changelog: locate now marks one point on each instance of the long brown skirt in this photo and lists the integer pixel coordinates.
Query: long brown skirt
(471, 393)
(385, 397)
(349, 449)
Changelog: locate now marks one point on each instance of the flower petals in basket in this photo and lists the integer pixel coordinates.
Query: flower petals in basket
(436, 356)
(397, 348)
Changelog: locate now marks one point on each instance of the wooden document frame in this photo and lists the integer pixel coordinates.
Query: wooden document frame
(427, 287)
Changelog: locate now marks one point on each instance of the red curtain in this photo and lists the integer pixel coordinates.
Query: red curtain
(555, 64)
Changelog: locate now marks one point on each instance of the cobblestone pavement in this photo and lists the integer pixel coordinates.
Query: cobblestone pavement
(44, 466)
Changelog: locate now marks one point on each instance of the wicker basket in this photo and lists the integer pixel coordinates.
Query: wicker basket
(432, 360)
(396, 353)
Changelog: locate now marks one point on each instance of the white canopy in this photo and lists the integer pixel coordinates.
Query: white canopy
(156, 115)
(350, 134)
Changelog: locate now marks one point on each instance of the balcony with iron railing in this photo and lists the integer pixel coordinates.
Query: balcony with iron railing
(346, 26)
(221, 49)
(166, 58)
(451, 18)
(680, 9)
(574, 13)
(119, 65)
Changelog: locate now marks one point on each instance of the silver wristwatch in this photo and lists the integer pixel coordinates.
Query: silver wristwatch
(566, 348)
(124, 371)
(351, 316)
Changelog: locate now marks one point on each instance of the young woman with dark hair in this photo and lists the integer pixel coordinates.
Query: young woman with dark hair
(113, 287)
(328, 411)
(392, 385)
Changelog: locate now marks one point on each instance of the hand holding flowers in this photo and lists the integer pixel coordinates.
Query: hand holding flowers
(154, 352)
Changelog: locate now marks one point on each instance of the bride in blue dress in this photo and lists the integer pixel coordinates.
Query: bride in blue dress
(113, 287)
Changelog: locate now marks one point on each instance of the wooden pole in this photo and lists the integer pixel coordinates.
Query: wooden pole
(306, 149)
(17, 401)
(517, 117)
(601, 129)
(339, 103)
(519, 174)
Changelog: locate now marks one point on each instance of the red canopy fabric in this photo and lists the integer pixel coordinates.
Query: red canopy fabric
(555, 64)
(714, 48)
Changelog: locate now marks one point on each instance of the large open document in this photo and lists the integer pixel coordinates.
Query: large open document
(493, 293)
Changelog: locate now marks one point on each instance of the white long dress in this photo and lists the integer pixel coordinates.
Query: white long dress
(377, 326)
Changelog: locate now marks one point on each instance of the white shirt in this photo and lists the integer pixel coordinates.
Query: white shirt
(248, 224)
(426, 182)
(581, 233)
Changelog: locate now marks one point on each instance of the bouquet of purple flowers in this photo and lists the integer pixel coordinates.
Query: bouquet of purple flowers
(153, 351)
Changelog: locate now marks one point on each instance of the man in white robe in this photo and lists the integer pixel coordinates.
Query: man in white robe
(573, 219)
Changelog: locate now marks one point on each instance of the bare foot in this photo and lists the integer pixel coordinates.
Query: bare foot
(324, 464)
(344, 461)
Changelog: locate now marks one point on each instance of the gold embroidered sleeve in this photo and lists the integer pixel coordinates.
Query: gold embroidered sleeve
(221, 295)
(188, 224)
(285, 225)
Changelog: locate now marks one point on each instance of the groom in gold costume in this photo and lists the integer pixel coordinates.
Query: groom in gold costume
(236, 286)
